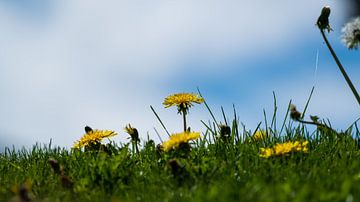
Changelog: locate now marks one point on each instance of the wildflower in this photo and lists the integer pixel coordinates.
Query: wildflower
(351, 33)
(259, 135)
(93, 137)
(134, 135)
(266, 152)
(183, 101)
(284, 148)
(179, 138)
(323, 20)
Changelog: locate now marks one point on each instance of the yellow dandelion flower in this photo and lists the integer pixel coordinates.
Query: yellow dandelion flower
(259, 135)
(132, 132)
(284, 148)
(304, 146)
(92, 136)
(266, 152)
(182, 100)
(179, 138)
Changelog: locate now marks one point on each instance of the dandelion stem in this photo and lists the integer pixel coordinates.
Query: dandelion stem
(137, 148)
(133, 147)
(318, 125)
(184, 118)
(356, 94)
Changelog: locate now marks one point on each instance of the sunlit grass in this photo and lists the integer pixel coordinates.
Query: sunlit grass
(226, 163)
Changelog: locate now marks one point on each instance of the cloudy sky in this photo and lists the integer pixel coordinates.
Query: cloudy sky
(70, 63)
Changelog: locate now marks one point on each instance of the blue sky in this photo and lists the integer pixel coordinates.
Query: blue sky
(67, 64)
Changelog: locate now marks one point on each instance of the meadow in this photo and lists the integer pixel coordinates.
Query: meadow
(284, 162)
(297, 157)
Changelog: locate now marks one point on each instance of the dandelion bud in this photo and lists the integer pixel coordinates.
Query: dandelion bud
(323, 20)
(315, 119)
(225, 132)
(159, 150)
(55, 166)
(294, 114)
(88, 129)
(325, 12)
(24, 194)
(133, 133)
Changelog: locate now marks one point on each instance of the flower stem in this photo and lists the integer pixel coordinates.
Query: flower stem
(356, 94)
(184, 118)
(135, 146)
(317, 124)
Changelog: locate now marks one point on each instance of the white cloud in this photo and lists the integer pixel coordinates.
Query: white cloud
(102, 64)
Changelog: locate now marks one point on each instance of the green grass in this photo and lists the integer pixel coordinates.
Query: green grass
(214, 169)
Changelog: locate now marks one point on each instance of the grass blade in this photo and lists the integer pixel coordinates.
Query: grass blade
(162, 124)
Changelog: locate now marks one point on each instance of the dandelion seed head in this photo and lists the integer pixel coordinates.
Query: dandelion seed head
(351, 33)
